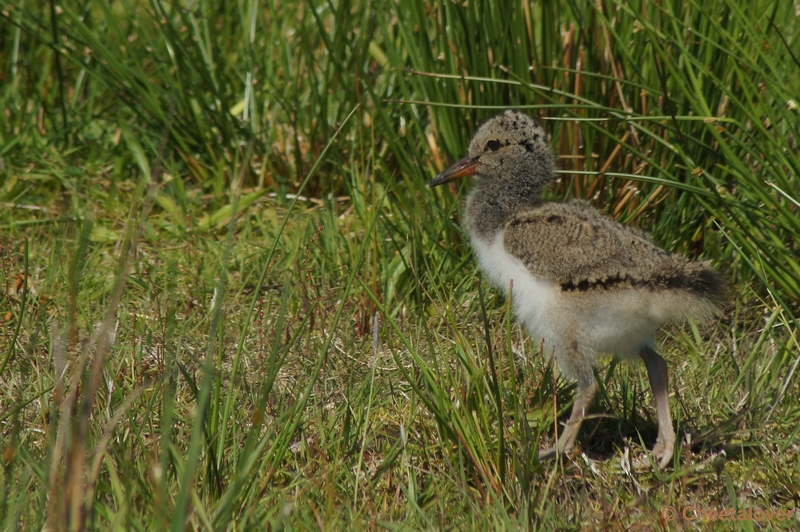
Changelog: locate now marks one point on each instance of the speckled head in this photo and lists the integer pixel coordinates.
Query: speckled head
(509, 146)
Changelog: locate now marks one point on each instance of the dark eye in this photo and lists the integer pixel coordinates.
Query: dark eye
(492, 145)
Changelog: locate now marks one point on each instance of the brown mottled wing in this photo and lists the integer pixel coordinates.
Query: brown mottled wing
(576, 246)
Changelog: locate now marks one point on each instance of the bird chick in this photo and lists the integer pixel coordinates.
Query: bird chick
(582, 282)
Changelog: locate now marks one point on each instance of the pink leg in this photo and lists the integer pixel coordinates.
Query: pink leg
(657, 373)
(587, 389)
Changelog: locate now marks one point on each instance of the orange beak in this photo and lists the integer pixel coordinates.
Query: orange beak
(463, 168)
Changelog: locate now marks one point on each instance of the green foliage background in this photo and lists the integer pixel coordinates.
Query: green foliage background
(204, 205)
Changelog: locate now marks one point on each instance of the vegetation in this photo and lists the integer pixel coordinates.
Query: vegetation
(230, 302)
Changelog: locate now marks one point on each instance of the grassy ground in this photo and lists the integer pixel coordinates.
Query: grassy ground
(230, 302)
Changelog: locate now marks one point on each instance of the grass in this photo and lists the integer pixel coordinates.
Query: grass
(230, 302)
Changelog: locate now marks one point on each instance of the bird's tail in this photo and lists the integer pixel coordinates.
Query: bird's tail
(695, 290)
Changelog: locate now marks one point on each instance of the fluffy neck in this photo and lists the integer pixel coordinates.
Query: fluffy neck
(493, 202)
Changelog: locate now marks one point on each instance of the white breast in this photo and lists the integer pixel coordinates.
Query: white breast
(532, 296)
